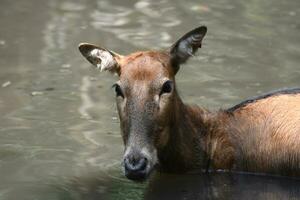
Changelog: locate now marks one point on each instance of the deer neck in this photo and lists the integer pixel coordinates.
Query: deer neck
(186, 149)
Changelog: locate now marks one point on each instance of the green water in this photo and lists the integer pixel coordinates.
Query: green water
(59, 131)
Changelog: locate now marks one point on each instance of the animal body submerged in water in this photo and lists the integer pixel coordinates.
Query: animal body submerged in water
(260, 135)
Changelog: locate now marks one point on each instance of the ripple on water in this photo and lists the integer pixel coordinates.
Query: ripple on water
(72, 6)
(142, 26)
(47, 152)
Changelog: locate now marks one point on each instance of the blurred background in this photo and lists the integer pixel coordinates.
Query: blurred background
(59, 130)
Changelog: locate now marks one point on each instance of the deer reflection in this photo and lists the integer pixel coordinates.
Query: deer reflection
(221, 186)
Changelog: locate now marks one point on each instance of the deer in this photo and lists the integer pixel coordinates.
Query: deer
(159, 131)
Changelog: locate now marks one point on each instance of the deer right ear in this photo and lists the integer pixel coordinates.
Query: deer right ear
(101, 58)
(187, 46)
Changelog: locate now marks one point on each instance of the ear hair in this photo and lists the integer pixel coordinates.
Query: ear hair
(103, 59)
(187, 46)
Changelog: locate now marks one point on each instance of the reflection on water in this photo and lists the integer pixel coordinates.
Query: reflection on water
(222, 186)
(59, 131)
(145, 22)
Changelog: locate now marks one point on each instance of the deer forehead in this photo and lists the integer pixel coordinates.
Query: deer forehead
(144, 67)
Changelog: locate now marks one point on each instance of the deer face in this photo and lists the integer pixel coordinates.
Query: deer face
(145, 95)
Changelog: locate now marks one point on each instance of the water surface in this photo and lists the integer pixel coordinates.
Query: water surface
(59, 131)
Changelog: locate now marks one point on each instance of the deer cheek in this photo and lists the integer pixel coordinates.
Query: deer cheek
(162, 138)
(121, 103)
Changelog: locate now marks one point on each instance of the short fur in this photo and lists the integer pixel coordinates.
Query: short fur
(261, 134)
(270, 94)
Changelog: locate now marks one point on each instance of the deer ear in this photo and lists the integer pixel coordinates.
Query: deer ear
(101, 58)
(187, 45)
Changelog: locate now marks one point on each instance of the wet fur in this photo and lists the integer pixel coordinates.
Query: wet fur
(260, 134)
(265, 134)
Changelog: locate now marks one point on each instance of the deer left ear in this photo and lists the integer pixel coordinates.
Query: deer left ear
(187, 45)
(101, 58)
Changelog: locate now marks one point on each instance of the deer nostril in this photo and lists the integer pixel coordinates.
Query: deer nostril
(136, 168)
(142, 164)
(135, 165)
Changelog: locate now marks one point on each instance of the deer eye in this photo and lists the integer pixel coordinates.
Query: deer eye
(167, 87)
(118, 90)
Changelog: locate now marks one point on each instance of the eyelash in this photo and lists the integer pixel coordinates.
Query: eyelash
(118, 90)
(167, 87)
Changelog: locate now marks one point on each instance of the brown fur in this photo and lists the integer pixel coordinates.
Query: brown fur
(258, 135)
(262, 136)
(265, 135)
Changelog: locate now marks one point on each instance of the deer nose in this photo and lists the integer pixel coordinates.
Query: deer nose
(135, 167)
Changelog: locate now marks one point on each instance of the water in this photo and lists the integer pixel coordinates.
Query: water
(59, 134)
